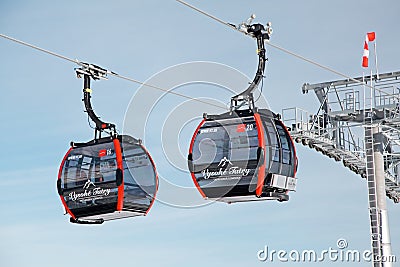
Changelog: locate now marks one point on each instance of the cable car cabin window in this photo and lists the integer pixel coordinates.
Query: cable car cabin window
(273, 140)
(267, 150)
(107, 170)
(139, 177)
(243, 141)
(210, 145)
(285, 145)
(272, 146)
(96, 164)
(236, 140)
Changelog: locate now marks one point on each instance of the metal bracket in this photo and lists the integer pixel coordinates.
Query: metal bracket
(90, 71)
(261, 34)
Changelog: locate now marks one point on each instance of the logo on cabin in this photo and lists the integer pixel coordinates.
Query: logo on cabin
(88, 184)
(209, 130)
(241, 128)
(225, 162)
(91, 192)
(73, 157)
(106, 152)
(226, 171)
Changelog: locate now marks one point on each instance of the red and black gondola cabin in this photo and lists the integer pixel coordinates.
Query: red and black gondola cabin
(243, 156)
(107, 178)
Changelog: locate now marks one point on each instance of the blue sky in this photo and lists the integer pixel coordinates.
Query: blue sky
(41, 112)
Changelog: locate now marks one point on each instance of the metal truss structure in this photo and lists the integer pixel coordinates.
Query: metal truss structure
(358, 123)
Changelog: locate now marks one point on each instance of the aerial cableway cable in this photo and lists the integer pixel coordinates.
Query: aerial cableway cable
(107, 72)
(76, 61)
(232, 26)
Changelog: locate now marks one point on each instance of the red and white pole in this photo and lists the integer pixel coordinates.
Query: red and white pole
(370, 37)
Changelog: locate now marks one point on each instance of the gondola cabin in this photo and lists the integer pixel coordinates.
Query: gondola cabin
(106, 179)
(243, 156)
(109, 177)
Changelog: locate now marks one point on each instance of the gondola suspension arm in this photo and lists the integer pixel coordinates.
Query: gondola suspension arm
(89, 71)
(261, 34)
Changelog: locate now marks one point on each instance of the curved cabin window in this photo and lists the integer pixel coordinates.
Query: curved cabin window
(139, 177)
(273, 140)
(91, 163)
(272, 147)
(236, 140)
(243, 141)
(210, 145)
(286, 153)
